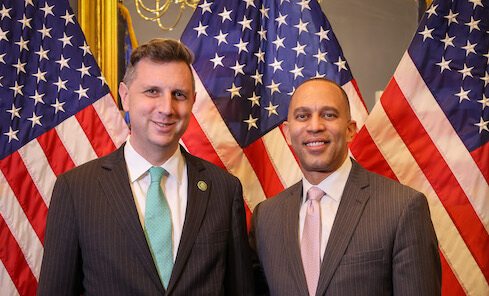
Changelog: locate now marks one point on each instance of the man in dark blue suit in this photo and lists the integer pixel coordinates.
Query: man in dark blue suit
(97, 242)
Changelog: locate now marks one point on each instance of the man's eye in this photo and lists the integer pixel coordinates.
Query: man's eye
(151, 91)
(301, 116)
(179, 95)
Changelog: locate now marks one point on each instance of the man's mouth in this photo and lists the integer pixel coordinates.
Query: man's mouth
(164, 126)
(315, 144)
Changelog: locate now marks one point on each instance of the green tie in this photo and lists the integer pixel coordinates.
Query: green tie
(157, 222)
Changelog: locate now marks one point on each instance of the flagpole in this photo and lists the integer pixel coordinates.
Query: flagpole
(98, 20)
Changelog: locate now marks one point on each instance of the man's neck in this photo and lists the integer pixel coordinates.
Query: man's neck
(156, 157)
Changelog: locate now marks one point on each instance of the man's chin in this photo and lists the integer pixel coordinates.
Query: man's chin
(320, 167)
(164, 143)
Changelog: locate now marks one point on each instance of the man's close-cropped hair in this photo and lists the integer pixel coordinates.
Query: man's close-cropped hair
(159, 50)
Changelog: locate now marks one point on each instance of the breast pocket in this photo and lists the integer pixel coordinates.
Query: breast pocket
(364, 257)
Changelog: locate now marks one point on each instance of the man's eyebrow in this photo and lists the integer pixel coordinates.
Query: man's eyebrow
(308, 109)
(330, 108)
(181, 89)
(301, 109)
(148, 85)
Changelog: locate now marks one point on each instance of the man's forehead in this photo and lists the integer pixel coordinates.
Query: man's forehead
(316, 100)
(146, 64)
(314, 93)
(316, 84)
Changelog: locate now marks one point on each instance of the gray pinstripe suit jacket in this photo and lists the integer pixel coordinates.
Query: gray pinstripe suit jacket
(382, 242)
(95, 245)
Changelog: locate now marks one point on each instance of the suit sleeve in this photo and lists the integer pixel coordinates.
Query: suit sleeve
(261, 286)
(61, 272)
(416, 267)
(239, 279)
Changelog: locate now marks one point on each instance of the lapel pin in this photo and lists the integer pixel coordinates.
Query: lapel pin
(202, 185)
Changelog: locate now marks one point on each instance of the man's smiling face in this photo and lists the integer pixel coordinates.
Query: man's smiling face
(319, 127)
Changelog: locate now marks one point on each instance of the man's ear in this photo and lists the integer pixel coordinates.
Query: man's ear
(351, 130)
(286, 130)
(123, 93)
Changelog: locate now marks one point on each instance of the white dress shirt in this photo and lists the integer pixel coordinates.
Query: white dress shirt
(174, 185)
(333, 186)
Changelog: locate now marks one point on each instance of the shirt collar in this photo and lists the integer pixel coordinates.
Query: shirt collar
(138, 166)
(334, 184)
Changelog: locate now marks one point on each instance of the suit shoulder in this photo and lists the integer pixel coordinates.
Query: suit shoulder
(390, 184)
(390, 191)
(290, 192)
(362, 178)
(94, 165)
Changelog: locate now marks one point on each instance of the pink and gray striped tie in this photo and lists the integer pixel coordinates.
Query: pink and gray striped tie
(311, 240)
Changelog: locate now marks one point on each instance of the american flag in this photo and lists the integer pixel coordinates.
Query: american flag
(56, 112)
(430, 131)
(250, 56)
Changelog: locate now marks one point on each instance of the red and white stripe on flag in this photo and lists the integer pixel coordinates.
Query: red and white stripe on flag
(408, 137)
(430, 131)
(27, 178)
(56, 113)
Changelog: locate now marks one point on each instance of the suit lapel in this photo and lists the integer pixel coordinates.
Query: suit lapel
(291, 234)
(197, 200)
(115, 183)
(349, 212)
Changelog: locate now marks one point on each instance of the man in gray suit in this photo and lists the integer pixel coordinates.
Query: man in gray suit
(101, 236)
(341, 230)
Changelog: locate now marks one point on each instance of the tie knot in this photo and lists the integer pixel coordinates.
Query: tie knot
(315, 193)
(156, 174)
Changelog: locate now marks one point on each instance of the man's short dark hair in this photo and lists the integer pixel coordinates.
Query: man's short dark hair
(159, 50)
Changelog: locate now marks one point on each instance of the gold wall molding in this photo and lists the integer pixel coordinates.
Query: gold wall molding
(98, 20)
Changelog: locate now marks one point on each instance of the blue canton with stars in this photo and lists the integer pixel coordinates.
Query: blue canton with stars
(451, 52)
(47, 72)
(252, 54)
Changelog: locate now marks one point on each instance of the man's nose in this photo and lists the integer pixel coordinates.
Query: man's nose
(316, 124)
(164, 104)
